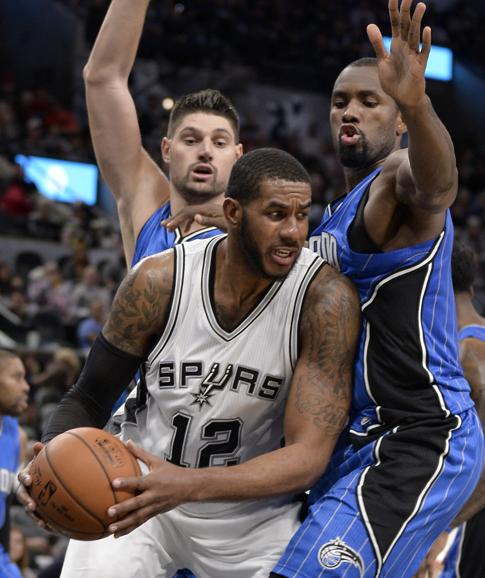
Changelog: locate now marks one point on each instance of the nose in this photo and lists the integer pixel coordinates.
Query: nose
(25, 386)
(290, 230)
(351, 113)
(206, 150)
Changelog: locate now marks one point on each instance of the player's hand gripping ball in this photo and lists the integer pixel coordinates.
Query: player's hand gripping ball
(71, 481)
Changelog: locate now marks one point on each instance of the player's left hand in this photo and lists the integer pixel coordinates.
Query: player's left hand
(431, 567)
(164, 487)
(401, 71)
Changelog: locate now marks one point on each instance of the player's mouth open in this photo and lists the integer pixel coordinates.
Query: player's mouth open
(349, 135)
(202, 171)
(284, 255)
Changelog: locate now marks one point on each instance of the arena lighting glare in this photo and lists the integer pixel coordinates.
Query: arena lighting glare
(440, 62)
(60, 180)
(168, 103)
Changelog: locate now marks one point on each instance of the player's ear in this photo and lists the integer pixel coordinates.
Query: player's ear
(165, 147)
(239, 151)
(232, 212)
(401, 127)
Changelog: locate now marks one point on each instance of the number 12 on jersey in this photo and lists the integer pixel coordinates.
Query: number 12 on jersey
(221, 437)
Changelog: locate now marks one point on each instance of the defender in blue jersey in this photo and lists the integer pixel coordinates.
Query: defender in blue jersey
(413, 450)
(13, 401)
(466, 557)
(200, 148)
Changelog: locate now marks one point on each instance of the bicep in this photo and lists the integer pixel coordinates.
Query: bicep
(130, 173)
(322, 382)
(141, 305)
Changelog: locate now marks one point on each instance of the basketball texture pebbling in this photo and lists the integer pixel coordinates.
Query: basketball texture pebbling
(71, 481)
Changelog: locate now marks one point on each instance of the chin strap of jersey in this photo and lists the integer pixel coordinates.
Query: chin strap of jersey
(106, 373)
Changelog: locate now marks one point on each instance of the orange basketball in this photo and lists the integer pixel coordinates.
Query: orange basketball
(71, 481)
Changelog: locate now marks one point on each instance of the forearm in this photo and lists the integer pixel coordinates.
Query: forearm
(115, 48)
(284, 471)
(431, 153)
(107, 371)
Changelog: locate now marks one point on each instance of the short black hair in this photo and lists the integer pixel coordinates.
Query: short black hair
(464, 265)
(209, 101)
(265, 164)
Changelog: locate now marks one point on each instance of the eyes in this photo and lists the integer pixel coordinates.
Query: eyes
(367, 102)
(219, 142)
(281, 215)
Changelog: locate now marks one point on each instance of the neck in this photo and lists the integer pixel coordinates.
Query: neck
(465, 310)
(354, 176)
(234, 274)
(178, 203)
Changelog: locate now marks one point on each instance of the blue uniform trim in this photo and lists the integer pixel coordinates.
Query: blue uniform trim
(154, 237)
(472, 331)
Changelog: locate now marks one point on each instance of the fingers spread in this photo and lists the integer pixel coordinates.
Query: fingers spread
(426, 47)
(405, 19)
(375, 38)
(394, 17)
(415, 29)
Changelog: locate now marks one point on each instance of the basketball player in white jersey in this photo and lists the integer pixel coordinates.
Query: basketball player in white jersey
(245, 340)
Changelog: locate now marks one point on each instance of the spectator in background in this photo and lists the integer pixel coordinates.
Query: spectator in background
(89, 328)
(49, 290)
(59, 374)
(19, 552)
(87, 291)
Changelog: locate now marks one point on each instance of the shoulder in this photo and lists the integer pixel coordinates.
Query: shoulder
(155, 269)
(332, 291)
(387, 179)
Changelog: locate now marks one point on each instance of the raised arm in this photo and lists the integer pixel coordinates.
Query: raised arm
(424, 176)
(316, 413)
(136, 181)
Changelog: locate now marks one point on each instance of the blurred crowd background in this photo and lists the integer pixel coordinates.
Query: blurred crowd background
(60, 263)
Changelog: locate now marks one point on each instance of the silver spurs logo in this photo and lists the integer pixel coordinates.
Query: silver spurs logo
(207, 387)
(334, 553)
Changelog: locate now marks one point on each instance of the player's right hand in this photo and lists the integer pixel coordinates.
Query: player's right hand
(23, 495)
(206, 215)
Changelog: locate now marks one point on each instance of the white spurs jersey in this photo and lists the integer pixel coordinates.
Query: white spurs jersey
(217, 397)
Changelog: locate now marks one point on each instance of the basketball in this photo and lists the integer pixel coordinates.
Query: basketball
(71, 481)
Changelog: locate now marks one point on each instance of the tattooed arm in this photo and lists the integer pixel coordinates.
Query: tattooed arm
(140, 306)
(318, 402)
(136, 318)
(316, 412)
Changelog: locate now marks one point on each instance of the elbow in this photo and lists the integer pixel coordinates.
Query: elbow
(95, 76)
(313, 467)
(89, 73)
(441, 198)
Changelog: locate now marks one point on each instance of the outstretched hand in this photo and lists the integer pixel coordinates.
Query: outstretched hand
(163, 488)
(401, 71)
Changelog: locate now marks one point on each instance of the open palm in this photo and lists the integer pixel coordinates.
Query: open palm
(401, 71)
